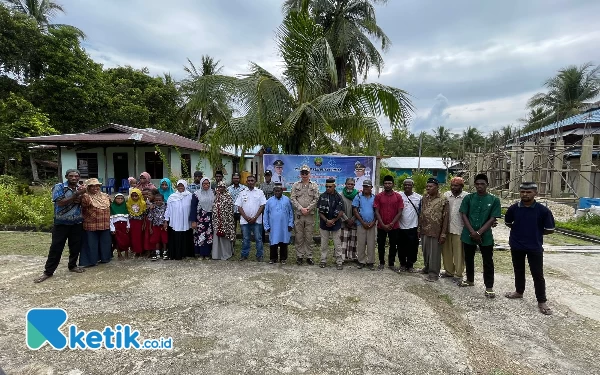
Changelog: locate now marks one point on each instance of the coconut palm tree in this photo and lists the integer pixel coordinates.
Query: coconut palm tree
(349, 27)
(297, 112)
(567, 92)
(42, 11)
(537, 118)
(206, 105)
(441, 140)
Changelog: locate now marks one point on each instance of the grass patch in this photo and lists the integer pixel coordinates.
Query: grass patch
(446, 298)
(25, 243)
(558, 239)
(588, 225)
(352, 299)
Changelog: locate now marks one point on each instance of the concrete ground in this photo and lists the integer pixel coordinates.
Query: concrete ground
(230, 317)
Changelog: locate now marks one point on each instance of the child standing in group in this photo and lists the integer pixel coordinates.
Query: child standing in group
(119, 225)
(158, 234)
(136, 207)
(149, 198)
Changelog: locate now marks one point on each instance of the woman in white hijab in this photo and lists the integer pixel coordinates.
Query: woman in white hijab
(201, 219)
(177, 222)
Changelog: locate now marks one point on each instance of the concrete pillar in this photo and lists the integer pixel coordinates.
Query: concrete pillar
(543, 177)
(515, 161)
(472, 160)
(557, 166)
(528, 161)
(585, 168)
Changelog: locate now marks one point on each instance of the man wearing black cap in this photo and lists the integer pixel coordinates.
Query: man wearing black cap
(479, 212)
(196, 184)
(268, 186)
(529, 221)
(331, 210)
(359, 171)
(218, 178)
(433, 225)
(278, 176)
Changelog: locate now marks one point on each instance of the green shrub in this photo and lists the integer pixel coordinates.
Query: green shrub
(28, 209)
(420, 179)
(587, 224)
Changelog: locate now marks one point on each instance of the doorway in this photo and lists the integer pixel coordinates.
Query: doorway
(121, 168)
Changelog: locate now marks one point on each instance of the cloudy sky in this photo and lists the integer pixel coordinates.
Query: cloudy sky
(465, 62)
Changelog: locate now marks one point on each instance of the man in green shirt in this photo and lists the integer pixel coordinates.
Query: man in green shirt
(479, 211)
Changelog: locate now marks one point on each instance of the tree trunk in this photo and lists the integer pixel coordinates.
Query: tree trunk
(34, 169)
(340, 66)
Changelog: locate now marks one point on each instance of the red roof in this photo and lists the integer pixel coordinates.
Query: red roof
(120, 134)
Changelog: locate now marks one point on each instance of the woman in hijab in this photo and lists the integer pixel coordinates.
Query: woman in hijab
(201, 218)
(177, 222)
(119, 225)
(223, 223)
(136, 207)
(145, 181)
(95, 207)
(166, 189)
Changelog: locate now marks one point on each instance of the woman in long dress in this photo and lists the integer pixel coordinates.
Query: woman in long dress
(224, 233)
(96, 222)
(201, 218)
(177, 222)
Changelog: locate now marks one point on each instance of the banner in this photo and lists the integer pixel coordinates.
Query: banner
(286, 169)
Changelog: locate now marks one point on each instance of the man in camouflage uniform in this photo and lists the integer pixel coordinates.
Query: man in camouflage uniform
(304, 197)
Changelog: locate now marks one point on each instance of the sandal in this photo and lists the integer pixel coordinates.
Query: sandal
(490, 294)
(322, 264)
(77, 270)
(513, 295)
(545, 310)
(464, 283)
(42, 278)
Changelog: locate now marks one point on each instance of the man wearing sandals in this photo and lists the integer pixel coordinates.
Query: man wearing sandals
(331, 210)
(68, 224)
(529, 221)
(433, 225)
(479, 212)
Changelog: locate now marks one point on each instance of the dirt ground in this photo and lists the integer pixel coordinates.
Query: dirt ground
(230, 317)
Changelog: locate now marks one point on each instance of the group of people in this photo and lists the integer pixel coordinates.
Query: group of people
(200, 220)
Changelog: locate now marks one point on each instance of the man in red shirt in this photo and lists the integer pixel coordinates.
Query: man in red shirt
(388, 210)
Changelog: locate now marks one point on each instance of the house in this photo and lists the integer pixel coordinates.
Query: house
(119, 151)
(438, 167)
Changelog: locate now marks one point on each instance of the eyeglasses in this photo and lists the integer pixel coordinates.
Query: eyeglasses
(329, 186)
(304, 172)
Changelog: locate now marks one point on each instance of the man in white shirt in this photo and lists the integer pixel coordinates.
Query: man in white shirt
(408, 238)
(251, 204)
(452, 252)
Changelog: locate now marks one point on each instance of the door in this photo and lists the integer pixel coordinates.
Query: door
(121, 168)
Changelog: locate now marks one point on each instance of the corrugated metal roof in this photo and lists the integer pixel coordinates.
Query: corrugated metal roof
(412, 162)
(582, 118)
(124, 135)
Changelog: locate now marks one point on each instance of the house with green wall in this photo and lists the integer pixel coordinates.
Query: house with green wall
(119, 151)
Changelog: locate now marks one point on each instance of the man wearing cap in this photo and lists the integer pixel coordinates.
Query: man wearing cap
(529, 221)
(278, 221)
(234, 190)
(359, 171)
(278, 175)
(267, 186)
(433, 225)
(388, 210)
(331, 210)
(218, 178)
(304, 197)
(196, 184)
(362, 205)
(479, 211)
(68, 224)
(453, 254)
(348, 231)
(408, 238)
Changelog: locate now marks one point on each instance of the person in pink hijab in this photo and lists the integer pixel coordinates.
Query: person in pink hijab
(144, 181)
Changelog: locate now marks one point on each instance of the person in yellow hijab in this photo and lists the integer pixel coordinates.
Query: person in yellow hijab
(136, 207)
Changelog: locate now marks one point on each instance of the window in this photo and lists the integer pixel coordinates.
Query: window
(434, 173)
(87, 164)
(186, 166)
(154, 164)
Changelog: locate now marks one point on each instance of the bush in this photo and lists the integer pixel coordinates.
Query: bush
(420, 179)
(25, 209)
(588, 224)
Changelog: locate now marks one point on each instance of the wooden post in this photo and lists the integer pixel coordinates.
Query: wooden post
(60, 173)
(515, 161)
(585, 168)
(105, 167)
(557, 167)
(528, 161)
(34, 169)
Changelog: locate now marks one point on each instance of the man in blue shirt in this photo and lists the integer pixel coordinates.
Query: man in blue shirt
(366, 233)
(529, 221)
(68, 224)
